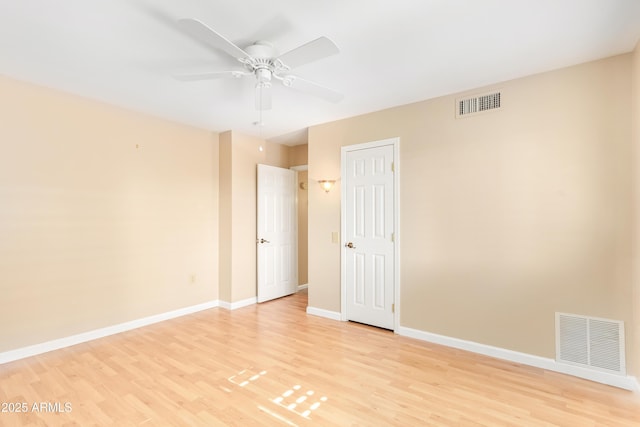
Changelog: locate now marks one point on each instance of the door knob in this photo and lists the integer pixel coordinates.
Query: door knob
(263, 241)
(349, 245)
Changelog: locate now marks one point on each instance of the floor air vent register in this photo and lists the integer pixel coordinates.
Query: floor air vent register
(590, 342)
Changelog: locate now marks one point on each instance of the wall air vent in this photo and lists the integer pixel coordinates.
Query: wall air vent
(477, 104)
(590, 342)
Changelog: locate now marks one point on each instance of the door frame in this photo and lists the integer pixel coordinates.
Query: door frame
(297, 169)
(395, 142)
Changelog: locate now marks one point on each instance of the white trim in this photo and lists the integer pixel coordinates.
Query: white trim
(300, 168)
(333, 315)
(238, 304)
(343, 232)
(301, 287)
(395, 142)
(33, 350)
(396, 232)
(621, 381)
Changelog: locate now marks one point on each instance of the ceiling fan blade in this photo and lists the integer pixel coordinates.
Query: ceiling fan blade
(210, 75)
(309, 52)
(206, 34)
(311, 88)
(263, 97)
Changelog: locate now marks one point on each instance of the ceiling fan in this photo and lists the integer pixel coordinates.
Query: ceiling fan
(262, 61)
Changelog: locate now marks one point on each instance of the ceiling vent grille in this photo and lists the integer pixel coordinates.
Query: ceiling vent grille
(590, 342)
(477, 104)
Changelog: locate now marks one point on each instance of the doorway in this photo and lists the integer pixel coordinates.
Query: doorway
(370, 277)
(276, 233)
(302, 208)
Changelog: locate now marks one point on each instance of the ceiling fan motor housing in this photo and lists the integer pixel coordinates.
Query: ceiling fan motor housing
(262, 62)
(261, 50)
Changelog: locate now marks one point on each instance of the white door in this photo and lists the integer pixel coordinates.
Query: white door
(276, 239)
(368, 235)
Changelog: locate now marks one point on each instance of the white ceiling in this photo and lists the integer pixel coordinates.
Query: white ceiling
(125, 52)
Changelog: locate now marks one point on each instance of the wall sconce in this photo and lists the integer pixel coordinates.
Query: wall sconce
(327, 184)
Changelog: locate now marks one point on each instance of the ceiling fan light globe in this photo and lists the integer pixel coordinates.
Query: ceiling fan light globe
(263, 75)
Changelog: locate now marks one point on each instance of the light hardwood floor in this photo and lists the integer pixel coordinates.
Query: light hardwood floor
(272, 364)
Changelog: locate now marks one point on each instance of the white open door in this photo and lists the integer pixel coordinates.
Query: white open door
(276, 239)
(368, 234)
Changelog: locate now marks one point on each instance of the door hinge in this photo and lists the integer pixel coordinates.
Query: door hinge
(393, 166)
(393, 308)
(393, 237)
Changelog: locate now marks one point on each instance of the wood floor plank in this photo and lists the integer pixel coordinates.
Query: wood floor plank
(274, 365)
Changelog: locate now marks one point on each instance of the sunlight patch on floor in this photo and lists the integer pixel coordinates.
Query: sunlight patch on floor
(245, 377)
(295, 400)
(299, 401)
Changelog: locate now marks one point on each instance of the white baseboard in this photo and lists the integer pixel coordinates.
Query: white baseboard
(625, 382)
(301, 287)
(33, 350)
(333, 315)
(238, 304)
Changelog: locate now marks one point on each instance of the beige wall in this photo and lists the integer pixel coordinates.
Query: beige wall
(276, 155)
(225, 231)
(298, 156)
(303, 227)
(506, 217)
(106, 215)
(239, 156)
(324, 216)
(635, 114)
